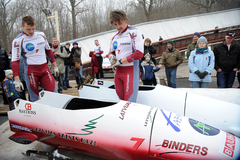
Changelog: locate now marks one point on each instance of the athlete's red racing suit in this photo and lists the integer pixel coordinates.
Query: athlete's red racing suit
(128, 44)
(34, 51)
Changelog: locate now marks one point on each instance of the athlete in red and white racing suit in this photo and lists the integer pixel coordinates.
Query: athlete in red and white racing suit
(127, 46)
(33, 46)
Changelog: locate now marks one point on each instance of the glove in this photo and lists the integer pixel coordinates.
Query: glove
(18, 86)
(56, 72)
(204, 74)
(201, 75)
(116, 64)
(112, 59)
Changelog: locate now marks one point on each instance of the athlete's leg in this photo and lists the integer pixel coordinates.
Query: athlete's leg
(128, 85)
(133, 83)
(119, 84)
(32, 80)
(47, 80)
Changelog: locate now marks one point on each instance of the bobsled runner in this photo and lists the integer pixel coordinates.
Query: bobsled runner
(117, 130)
(219, 113)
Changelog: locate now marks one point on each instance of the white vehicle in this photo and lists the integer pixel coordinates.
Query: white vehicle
(216, 112)
(120, 130)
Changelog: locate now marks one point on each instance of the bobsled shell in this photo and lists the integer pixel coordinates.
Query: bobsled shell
(178, 137)
(216, 112)
(111, 131)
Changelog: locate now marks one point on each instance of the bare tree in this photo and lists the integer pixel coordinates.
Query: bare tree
(201, 4)
(8, 20)
(75, 10)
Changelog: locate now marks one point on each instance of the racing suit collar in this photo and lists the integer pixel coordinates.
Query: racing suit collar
(24, 33)
(124, 30)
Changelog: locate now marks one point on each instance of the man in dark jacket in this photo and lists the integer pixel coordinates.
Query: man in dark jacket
(4, 64)
(171, 59)
(227, 61)
(67, 65)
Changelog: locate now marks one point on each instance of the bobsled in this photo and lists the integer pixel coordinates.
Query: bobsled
(222, 113)
(117, 130)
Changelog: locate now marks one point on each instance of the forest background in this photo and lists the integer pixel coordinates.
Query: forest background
(79, 18)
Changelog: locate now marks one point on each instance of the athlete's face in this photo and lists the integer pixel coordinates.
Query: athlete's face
(28, 29)
(96, 43)
(121, 25)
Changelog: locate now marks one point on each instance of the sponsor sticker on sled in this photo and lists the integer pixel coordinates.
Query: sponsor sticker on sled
(173, 120)
(229, 146)
(203, 128)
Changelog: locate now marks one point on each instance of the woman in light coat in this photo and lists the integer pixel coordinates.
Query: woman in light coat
(201, 64)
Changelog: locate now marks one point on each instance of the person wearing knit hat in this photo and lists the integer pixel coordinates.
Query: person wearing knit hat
(75, 43)
(202, 39)
(76, 57)
(9, 88)
(171, 59)
(192, 46)
(8, 72)
(148, 69)
(227, 61)
(170, 41)
(201, 64)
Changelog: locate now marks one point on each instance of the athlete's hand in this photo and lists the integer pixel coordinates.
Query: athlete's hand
(112, 59)
(56, 72)
(115, 65)
(18, 85)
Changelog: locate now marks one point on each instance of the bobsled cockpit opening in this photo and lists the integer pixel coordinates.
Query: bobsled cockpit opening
(78, 103)
(140, 88)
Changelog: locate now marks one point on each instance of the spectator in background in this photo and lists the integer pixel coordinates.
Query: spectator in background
(59, 53)
(171, 58)
(216, 30)
(67, 65)
(76, 57)
(201, 64)
(149, 49)
(148, 69)
(192, 46)
(98, 53)
(4, 65)
(9, 88)
(160, 43)
(227, 61)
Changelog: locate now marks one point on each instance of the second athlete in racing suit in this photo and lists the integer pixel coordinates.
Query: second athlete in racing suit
(128, 43)
(34, 50)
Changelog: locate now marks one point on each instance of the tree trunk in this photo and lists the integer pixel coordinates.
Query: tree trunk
(74, 19)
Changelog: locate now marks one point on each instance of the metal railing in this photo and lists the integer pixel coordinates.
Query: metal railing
(182, 42)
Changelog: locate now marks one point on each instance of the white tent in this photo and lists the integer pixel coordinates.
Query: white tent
(167, 28)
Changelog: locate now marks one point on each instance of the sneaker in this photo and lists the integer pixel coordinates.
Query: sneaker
(69, 87)
(65, 88)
